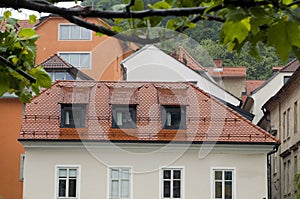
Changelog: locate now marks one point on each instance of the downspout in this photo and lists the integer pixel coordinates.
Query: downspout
(124, 72)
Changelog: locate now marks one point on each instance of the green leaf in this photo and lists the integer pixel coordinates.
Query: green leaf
(138, 5)
(42, 77)
(7, 14)
(32, 19)
(281, 36)
(27, 33)
(236, 30)
(117, 28)
(161, 5)
(4, 86)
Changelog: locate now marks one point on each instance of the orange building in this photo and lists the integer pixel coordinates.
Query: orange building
(97, 56)
(10, 149)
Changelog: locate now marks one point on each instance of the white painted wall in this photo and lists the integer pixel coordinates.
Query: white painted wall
(39, 174)
(152, 64)
(265, 93)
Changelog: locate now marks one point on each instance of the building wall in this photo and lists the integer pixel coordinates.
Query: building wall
(265, 93)
(105, 51)
(10, 148)
(287, 157)
(93, 161)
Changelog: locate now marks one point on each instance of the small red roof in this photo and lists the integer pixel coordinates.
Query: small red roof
(55, 62)
(207, 120)
(251, 85)
(292, 66)
(227, 72)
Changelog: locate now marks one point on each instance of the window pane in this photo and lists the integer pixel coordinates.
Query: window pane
(75, 32)
(218, 189)
(125, 174)
(228, 190)
(85, 60)
(167, 174)
(69, 77)
(72, 172)
(62, 172)
(167, 189)
(228, 175)
(72, 188)
(62, 188)
(218, 175)
(114, 174)
(85, 33)
(125, 188)
(176, 189)
(65, 56)
(176, 174)
(114, 188)
(64, 32)
(119, 118)
(60, 76)
(74, 59)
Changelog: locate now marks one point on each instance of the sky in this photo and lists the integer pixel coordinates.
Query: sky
(24, 14)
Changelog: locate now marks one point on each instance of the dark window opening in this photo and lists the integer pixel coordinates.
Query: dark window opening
(174, 117)
(123, 116)
(72, 116)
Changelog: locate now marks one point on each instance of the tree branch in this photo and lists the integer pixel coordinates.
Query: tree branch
(21, 72)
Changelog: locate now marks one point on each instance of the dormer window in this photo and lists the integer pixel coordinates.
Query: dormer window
(124, 116)
(72, 116)
(174, 117)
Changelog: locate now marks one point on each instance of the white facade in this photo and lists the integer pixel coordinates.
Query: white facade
(247, 164)
(264, 93)
(152, 64)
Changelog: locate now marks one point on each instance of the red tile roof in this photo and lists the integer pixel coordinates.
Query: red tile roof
(206, 118)
(188, 60)
(292, 66)
(55, 62)
(251, 85)
(227, 72)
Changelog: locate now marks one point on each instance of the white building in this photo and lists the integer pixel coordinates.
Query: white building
(129, 140)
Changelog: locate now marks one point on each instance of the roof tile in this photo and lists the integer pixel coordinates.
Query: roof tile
(206, 118)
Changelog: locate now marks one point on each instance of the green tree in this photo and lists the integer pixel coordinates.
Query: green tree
(17, 53)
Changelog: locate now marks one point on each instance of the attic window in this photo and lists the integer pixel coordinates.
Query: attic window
(174, 117)
(124, 116)
(73, 115)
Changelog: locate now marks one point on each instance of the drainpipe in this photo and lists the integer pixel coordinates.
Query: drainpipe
(124, 72)
(275, 149)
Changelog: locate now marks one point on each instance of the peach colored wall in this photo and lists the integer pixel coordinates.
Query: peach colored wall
(10, 148)
(48, 43)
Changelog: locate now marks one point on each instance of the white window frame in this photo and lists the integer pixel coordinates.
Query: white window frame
(77, 52)
(182, 185)
(70, 24)
(109, 181)
(233, 169)
(57, 167)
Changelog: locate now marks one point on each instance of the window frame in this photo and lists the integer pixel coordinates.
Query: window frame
(120, 107)
(223, 169)
(77, 52)
(72, 39)
(173, 108)
(109, 168)
(71, 107)
(78, 179)
(161, 181)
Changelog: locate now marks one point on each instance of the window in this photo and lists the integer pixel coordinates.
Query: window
(72, 116)
(223, 183)
(123, 116)
(172, 186)
(120, 183)
(284, 125)
(275, 163)
(295, 117)
(60, 75)
(73, 32)
(22, 159)
(67, 182)
(288, 123)
(79, 60)
(174, 117)
(285, 79)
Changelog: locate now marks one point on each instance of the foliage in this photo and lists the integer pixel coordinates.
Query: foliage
(297, 184)
(18, 50)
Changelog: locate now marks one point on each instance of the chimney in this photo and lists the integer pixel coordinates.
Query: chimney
(218, 63)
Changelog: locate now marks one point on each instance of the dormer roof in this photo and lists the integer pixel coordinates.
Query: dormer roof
(207, 119)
